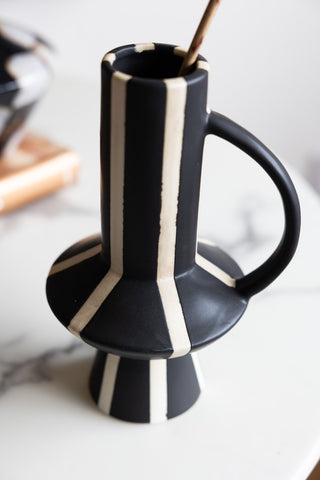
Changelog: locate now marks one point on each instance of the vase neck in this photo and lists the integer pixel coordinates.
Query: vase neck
(151, 149)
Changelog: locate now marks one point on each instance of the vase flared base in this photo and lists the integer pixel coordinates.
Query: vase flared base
(133, 317)
(145, 391)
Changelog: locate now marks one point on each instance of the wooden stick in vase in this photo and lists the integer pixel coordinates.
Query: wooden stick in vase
(197, 40)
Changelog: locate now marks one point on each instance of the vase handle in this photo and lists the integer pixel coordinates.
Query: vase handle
(260, 278)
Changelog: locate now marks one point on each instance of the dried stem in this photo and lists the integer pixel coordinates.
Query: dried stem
(197, 40)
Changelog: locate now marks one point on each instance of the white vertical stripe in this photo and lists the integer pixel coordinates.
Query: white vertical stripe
(158, 391)
(117, 152)
(198, 370)
(202, 64)
(117, 158)
(172, 151)
(180, 51)
(109, 57)
(142, 47)
(108, 382)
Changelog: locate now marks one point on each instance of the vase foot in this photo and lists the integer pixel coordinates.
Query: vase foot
(145, 391)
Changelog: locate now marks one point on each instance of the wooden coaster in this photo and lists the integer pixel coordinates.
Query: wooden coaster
(36, 168)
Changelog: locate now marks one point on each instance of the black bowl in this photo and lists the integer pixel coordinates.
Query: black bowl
(25, 73)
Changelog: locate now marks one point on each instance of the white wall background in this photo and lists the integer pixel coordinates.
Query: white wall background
(264, 56)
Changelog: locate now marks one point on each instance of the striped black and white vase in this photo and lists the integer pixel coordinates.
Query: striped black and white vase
(145, 293)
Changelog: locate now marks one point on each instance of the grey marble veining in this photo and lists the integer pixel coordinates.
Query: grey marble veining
(244, 236)
(29, 369)
(53, 207)
(252, 237)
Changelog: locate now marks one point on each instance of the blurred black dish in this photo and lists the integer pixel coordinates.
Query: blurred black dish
(25, 73)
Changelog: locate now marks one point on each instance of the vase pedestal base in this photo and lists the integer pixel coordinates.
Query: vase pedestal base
(144, 391)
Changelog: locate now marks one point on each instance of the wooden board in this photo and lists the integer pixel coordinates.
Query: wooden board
(315, 475)
(37, 168)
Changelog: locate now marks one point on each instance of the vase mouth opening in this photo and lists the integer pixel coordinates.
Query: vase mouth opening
(152, 61)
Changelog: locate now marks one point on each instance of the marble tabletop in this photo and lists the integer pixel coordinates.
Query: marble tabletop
(259, 415)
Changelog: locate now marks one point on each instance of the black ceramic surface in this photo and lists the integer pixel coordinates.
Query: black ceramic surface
(131, 397)
(132, 320)
(141, 290)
